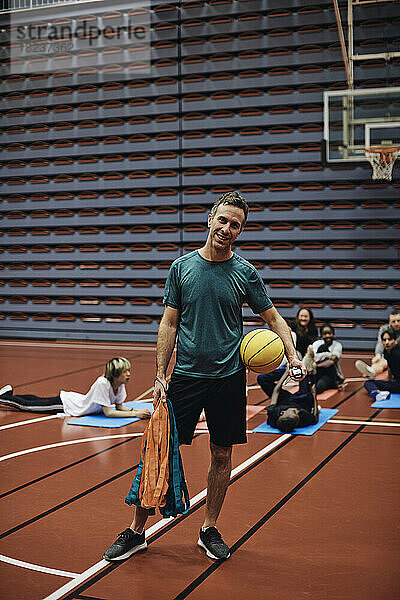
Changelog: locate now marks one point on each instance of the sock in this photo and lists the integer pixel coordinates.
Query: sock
(382, 395)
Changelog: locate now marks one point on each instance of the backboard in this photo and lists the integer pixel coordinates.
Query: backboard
(354, 119)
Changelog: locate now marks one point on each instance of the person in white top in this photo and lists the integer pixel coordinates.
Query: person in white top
(106, 396)
(379, 362)
(327, 356)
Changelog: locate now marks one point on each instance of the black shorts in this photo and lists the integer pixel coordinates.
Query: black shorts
(224, 403)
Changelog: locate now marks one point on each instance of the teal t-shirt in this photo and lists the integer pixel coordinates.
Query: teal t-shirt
(209, 296)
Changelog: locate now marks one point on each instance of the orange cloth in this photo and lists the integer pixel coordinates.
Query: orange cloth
(155, 457)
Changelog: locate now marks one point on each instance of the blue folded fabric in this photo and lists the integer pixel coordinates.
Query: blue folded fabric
(393, 401)
(177, 497)
(178, 501)
(103, 421)
(324, 416)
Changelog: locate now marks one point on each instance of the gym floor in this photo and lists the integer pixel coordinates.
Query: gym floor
(306, 517)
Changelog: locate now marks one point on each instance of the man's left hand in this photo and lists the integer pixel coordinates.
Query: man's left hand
(297, 370)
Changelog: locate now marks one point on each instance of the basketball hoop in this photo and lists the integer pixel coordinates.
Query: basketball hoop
(382, 159)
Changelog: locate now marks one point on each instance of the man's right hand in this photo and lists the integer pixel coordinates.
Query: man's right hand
(160, 391)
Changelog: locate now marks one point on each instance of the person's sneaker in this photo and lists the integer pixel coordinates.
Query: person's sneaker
(365, 369)
(127, 543)
(211, 541)
(5, 389)
(382, 396)
(309, 361)
(289, 383)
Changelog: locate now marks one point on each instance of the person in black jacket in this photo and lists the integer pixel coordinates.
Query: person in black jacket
(328, 352)
(380, 390)
(305, 330)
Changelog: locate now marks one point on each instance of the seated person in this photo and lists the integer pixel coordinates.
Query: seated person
(378, 362)
(327, 353)
(106, 392)
(288, 411)
(380, 390)
(305, 330)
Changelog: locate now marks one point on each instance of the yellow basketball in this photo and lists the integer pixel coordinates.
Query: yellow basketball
(262, 350)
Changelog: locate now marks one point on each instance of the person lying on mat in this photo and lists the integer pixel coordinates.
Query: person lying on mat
(327, 353)
(378, 362)
(290, 410)
(106, 392)
(380, 390)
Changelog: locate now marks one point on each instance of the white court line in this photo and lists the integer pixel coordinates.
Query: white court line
(357, 355)
(160, 524)
(69, 443)
(25, 565)
(84, 346)
(374, 423)
(28, 421)
(206, 431)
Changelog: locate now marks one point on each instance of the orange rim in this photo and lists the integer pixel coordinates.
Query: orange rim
(388, 150)
(385, 152)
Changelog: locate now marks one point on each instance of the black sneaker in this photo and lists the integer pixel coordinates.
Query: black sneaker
(6, 389)
(127, 543)
(211, 541)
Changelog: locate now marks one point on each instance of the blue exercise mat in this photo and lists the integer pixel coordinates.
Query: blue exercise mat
(324, 416)
(393, 401)
(103, 421)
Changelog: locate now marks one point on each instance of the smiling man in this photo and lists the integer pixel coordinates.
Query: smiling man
(204, 295)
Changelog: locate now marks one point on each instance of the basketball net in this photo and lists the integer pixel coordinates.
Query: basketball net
(382, 159)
